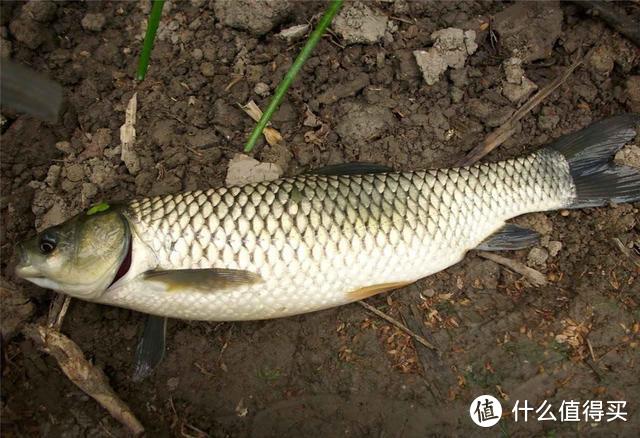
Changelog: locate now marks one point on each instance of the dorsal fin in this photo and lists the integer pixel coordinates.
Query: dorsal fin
(351, 169)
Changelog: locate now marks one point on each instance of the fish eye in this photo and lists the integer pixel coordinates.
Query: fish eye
(47, 243)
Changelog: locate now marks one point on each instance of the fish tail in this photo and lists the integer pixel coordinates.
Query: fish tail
(590, 153)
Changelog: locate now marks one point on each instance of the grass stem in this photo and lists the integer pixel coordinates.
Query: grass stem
(278, 96)
(149, 38)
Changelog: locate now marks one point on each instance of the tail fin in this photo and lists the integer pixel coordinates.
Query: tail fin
(590, 152)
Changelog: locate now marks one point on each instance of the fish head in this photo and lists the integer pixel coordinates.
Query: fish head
(81, 257)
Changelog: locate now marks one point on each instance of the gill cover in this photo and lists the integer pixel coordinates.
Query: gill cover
(80, 257)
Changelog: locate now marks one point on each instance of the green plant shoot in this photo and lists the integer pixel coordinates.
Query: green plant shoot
(325, 21)
(149, 38)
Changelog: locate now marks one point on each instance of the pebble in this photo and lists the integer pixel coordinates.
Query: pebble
(537, 257)
(513, 70)
(357, 23)
(293, 33)
(207, 69)
(53, 175)
(261, 89)
(40, 10)
(518, 93)
(93, 22)
(89, 191)
(554, 247)
(74, 172)
(197, 54)
(244, 169)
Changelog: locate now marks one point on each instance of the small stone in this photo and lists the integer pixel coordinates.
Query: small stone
(207, 69)
(602, 60)
(261, 89)
(537, 257)
(629, 156)
(93, 22)
(53, 175)
(554, 247)
(54, 216)
(632, 88)
(65, 147)
(244, 169)
(456, 94)
(40, 10)
(74, 172)
(518, 93)
(256, 17)
(197, 54)
(470, 41)
(432, 64)
(358, 24)
(429, 293)
(172, 383)
(209, 52)
(29, 32)
(513, 70)
(211, 155)
(88, 192)
(294, 33)
(548, 119)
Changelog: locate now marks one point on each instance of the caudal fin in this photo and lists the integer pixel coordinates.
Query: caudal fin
(590, 152)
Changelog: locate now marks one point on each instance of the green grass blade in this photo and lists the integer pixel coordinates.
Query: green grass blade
(325, 21)
(149, 38)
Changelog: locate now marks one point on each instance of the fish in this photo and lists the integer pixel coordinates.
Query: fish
(319, 240)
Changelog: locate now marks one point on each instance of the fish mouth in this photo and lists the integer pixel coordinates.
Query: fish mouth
(24, 268)
(125, 265)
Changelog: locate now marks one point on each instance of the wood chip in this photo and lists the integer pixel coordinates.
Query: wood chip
(536, 278)
(270, 134)
(82, 373)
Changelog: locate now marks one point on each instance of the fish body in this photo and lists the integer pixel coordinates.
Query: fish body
(311, 242)
(319, 241)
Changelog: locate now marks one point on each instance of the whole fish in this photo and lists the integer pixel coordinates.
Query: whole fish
(315, 241)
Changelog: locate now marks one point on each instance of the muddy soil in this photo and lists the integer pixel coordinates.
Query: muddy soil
(360, 97)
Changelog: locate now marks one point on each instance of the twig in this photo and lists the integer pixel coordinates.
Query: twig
(627, 252)
(398, 324)
(614, 17)
(535, 277)
(501, 134)
(82, 373)
(58, 310)
(293, 71)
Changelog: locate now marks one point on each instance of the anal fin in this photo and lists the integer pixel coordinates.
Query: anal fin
(510, 238)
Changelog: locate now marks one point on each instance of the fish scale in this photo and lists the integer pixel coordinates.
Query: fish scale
(317, 240)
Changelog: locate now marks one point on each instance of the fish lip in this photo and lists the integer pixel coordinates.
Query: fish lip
(28, 272)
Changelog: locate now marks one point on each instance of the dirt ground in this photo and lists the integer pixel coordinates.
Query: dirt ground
(344, 371)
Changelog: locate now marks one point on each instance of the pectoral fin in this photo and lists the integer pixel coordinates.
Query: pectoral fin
(150, 349)
(510, 238)
(204, 280)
